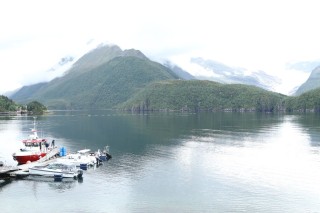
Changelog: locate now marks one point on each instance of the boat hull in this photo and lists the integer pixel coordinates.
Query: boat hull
(23, 159)
(51, 173)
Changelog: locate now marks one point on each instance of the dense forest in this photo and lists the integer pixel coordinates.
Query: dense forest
(195, 95)
(198, 95)
(306, 102)
(213, 96)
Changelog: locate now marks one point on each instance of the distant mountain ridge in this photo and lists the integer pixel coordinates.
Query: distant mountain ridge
(101, 55)
(109, 77)
(230, 75)
(313, 82)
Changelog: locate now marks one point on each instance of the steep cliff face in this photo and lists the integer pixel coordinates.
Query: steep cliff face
(313, 82)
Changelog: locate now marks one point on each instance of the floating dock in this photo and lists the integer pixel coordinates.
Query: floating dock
(21, 171)
(5, 171)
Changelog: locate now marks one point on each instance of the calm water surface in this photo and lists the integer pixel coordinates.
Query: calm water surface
(174, 162)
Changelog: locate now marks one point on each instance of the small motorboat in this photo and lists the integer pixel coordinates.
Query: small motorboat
(56, 170)
(85, 158)
(82, 158)
(104, 154)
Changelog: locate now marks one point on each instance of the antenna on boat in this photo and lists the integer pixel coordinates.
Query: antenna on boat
(34, 129)
(34, 122)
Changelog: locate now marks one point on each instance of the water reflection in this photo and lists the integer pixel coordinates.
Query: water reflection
(59, 186)
(198, 162)
(3, 183)
(207, 162)
(281, 160)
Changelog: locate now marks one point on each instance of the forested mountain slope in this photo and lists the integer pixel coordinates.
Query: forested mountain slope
(198, 95)
(102, 87)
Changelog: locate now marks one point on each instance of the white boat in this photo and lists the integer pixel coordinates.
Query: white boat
(83, 157)
(58, 169)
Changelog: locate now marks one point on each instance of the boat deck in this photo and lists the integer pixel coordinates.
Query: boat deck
(43, 161)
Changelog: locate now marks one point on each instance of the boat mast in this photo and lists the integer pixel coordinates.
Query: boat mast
(34, 130)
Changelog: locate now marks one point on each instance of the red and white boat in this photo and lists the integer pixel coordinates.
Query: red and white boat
(33, 148)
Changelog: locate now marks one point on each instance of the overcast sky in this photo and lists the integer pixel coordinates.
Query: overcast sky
(258, 35)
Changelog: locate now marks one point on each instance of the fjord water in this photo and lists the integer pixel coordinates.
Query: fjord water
(174, 162)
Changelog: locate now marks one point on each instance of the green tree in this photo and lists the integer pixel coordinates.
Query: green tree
(35, 107)
(7, 105)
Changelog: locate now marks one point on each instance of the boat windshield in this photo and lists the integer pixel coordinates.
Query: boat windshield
(84, 151)
(30, 144)
(60, 166)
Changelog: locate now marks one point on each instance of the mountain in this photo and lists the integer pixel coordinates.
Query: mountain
(222, 73)
(108, 77)
(102, 78)
(25, 94)
(312, 82)
(11, 93)
(101, 55)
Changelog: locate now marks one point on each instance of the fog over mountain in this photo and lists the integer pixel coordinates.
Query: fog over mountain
(254, 35)
(205, 69)
(108, 77)
(225, 74)
(58, 69)
(201, 68)
(306, 66)
(179, 71)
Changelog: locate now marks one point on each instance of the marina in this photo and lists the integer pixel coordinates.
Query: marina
(56, 156)
(37, 157)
